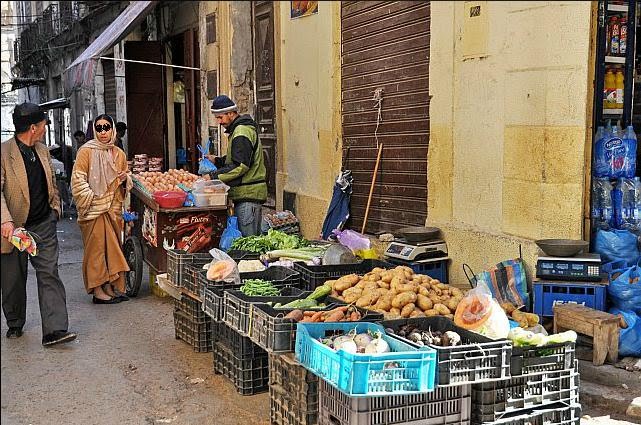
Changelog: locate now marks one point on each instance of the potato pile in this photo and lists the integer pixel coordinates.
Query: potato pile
(154, 180)
(398, 293)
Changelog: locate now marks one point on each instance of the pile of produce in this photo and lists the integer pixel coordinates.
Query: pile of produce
(427, 337)
(308, 253)
(345, 313)
(259, 288)
(525, 320)
(154, 181)
(273, 240)
(398, 293)
(367, 342)
(522, 338)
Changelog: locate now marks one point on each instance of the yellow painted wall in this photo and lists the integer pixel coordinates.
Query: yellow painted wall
(508, 127)
(307, 57)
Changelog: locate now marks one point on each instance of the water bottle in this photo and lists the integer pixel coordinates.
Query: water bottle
(636, 206)
(620, 195)
(602, 211)
(615, 153)
(600, 166)
(630, 143)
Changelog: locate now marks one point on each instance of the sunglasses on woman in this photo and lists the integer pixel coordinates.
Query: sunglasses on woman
(100, 128)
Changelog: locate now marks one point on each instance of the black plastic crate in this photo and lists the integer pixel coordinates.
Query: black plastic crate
(285, 410)
(193, 309)
(249, 375)
(190, 278)
(493, 401)
(535, 360)
(314, 276)
(239, 255)
(272, 332)
(177, 259)
(300, 385)
(450, 405)
(279, 276)
(553, 414)
(240, 345)
(238, 306)
(477, 359)
(198, 335)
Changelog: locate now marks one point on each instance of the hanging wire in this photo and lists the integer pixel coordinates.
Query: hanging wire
(378, 98)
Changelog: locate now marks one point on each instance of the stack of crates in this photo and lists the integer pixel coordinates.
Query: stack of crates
(543, 389)
(237, 358)
(293, 392)
(192, 325)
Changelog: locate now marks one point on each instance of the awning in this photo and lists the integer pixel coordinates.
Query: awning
(22, 82)
(82, 69)
(61, 103)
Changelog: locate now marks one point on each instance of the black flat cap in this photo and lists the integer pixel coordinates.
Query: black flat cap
(28, 113)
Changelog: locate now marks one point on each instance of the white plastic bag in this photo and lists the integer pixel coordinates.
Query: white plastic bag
(480, 313)
(223, 268)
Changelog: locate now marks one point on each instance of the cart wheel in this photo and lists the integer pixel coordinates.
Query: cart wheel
(133, 254)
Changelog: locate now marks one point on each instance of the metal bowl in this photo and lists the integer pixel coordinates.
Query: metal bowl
(418, 233)
(562, 247)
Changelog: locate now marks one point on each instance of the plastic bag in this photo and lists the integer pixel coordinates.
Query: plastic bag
(25, 241)
(629, 337)
(480, 313)
(507, 282)
(624, 290)
(222, 268)
(230, 233)
(616, 245)
(352, 240)
(205, 166)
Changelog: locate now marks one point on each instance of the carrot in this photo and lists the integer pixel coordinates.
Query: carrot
(335, 316)
(316, 317)
(309, 313)
(355, 316)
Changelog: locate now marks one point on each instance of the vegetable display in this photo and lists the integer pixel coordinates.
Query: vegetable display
(522, 338)
(273, 240)
(343, 313)
(398, 293)
(259, 287)
(428, 337)
(525, 320)
(370, 342)
(300, 254)
(312, 300)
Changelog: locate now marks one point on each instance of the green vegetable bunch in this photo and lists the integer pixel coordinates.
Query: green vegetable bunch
(259, 287)
(273, 240)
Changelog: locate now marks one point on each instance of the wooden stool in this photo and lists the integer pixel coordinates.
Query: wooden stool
(601, 326)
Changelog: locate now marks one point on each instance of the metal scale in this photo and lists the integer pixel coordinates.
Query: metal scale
(426, 251)
(581, 267)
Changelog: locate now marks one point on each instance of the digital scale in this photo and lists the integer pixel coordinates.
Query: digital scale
(583, 267)
(416, 251)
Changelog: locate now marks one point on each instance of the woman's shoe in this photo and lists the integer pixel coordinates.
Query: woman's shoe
(122, 297)
(109, 301)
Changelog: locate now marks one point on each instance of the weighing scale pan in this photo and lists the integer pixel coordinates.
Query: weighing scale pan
(418, 233)
(562, 247)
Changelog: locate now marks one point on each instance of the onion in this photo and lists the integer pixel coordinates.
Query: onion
(362, 340)
(349, 346)
(377, 346)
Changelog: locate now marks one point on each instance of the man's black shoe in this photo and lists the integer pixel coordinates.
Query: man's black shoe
(58, 337)
(13, 333)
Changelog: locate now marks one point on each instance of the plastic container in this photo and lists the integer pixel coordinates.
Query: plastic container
(239, 255)
(210, 186)
(210, 199)
(196, 334)
(192, 308)
(250, 375)
(169, 199)
(434, 269)
(271, 331)
(238, 306)
(404, 370)
(549, 294)
(293, 392)
(190, 280)
(535, 360)
(241, 346)
(177, 259)
(314, 276)
(493, 400)
(477, 359)
(441, 406)
(552, 414)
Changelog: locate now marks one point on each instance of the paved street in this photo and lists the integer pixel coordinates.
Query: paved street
(126, 366)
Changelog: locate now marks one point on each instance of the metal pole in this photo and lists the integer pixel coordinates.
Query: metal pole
(150, 63)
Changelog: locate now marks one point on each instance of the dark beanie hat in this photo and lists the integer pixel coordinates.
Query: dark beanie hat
(222, 104)
(26, 114)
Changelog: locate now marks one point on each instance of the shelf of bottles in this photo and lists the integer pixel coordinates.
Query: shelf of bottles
(616, 191)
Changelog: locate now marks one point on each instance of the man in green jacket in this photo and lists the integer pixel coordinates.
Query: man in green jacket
(243, 167)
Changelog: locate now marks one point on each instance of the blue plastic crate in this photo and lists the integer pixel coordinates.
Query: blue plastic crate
(404, 370)
(434, 269)
(548, 294)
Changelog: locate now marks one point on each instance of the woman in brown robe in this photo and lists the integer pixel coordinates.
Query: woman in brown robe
(99, 184)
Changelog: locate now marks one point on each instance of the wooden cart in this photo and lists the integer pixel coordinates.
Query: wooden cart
(194, 229)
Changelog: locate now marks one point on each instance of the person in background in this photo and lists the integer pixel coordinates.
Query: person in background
(80, 138)
(121, 129)
(99, 185)
(243, 167)
(30, 199)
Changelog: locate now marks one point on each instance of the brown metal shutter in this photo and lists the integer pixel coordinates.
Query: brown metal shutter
(110, 87)
(386, 45)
